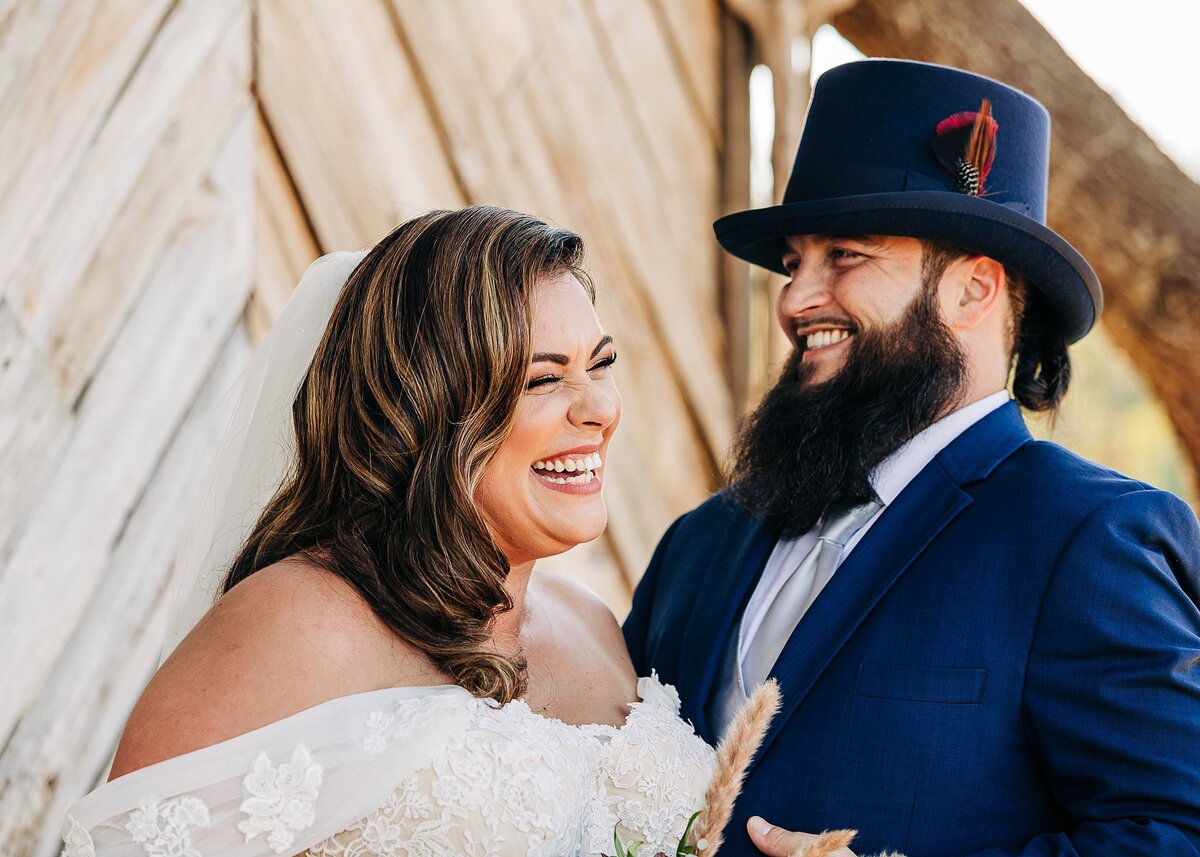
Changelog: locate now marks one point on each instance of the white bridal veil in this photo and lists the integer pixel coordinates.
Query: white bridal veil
(258, 445)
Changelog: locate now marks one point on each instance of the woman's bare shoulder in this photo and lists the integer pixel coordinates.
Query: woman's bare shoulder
(588, 609)
(288, 637)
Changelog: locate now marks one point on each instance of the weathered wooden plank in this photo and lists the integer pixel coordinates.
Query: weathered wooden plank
(146, 382)
(198, 126)
(620, 187)
(286, 246)
(85, 54)
(651, 90)
(495, 124)
(34, 422)
(48, 382)
(695, 28)
(42, 269)
(350, 119)
(64, 742)
(24, 27)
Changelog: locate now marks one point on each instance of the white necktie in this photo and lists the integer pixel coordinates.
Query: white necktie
(800, 590)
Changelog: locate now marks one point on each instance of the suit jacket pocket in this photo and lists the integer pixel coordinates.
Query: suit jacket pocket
(879, 680)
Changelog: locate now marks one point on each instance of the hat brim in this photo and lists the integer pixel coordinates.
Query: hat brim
(1044, 258)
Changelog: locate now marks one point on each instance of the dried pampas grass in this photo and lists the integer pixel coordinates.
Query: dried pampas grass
(738, 746)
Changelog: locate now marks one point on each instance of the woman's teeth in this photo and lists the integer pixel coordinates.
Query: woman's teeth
(825, 337)
(584, 469)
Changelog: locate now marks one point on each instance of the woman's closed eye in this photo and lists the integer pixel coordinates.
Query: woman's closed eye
(547, 380)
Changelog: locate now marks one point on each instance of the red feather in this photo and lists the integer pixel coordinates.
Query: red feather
(965, 144)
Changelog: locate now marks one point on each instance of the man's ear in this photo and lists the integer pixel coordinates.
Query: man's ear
(975, 283)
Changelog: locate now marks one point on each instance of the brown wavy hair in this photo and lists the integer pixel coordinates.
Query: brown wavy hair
(412, 390)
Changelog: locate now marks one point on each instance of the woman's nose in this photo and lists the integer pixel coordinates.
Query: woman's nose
(597, 406)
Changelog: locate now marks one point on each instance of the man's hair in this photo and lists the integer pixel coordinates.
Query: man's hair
(1040, 363)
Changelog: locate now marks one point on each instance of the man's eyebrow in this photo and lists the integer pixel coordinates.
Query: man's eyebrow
(562, 359)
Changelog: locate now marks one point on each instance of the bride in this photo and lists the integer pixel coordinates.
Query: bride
(384, 673)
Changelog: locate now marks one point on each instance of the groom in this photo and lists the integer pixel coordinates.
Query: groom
(985, 644)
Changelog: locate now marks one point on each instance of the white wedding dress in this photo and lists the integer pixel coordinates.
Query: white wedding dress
(411, 772)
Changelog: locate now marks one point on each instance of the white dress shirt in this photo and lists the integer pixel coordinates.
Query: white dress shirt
(888, 479)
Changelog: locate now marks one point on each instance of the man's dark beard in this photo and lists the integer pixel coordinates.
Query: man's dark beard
(808, 450)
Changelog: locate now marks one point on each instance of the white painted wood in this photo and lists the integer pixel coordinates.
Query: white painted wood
(695, 29)
(64, 244)
(35, 422)
(140, 392)
(48, 382)
(49, 122)
(285, 245)
(64, 741)
(339, 94)
(198, 125)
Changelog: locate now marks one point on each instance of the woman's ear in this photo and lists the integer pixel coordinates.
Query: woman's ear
(975, 285)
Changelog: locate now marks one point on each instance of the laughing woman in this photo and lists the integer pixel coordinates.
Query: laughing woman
(385, 672)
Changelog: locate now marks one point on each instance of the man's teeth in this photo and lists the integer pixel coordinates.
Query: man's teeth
(825, 337)
(585, 469)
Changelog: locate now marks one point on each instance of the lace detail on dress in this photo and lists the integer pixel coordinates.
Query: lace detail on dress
(76, 841)
(655, 773)
(515, 782)
(163, 827)
(509, 777)
(404, 774)
(280, 801)
(409, 717)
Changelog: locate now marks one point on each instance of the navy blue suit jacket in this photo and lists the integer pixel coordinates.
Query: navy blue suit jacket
(1008, 663)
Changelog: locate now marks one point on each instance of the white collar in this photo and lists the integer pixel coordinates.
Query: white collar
(893, 474)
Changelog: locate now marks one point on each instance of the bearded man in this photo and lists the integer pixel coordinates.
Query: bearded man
(985, 644)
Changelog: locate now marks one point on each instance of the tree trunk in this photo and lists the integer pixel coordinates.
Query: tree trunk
(1123, 203)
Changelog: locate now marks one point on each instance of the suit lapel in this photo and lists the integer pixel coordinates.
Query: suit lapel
(730, 573)
(907, 526)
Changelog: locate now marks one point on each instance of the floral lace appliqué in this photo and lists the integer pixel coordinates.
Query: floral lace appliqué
(280, 799)
(164, 827)
(408, 718)
(76, 841)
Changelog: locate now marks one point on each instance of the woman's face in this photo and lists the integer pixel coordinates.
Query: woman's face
(540, 494)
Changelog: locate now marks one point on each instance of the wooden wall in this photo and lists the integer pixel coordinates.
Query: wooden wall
(168, 168)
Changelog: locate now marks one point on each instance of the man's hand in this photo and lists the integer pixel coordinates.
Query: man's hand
(777, 842)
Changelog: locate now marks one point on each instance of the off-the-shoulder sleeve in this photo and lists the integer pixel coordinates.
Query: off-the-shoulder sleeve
(277, 790)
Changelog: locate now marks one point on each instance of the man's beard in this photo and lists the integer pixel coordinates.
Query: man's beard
(808, 450)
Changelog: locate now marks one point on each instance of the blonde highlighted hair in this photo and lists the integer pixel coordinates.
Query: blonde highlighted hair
(412, 390)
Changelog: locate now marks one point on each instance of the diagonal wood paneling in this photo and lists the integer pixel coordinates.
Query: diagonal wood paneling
(349, 119)
(140, 389)
(85, 53)
(515, 143)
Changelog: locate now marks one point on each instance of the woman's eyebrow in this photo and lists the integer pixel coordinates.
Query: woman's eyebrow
(564, 360)
(607, 340)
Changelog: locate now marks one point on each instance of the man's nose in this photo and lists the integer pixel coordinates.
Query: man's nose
(808, 290)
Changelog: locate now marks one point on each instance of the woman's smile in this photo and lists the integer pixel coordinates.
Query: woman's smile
(575, 471)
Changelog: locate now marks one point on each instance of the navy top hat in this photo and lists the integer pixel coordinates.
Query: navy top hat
(867, 165)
